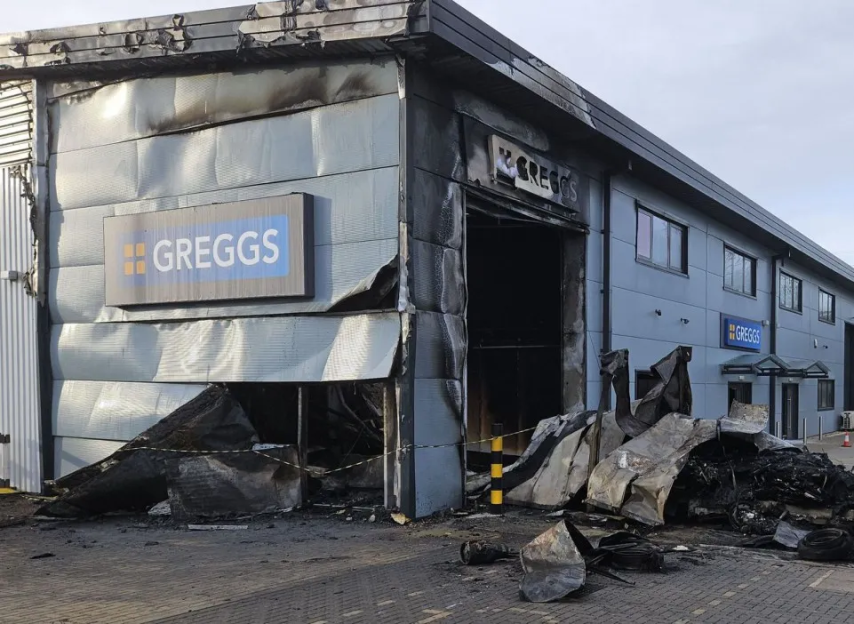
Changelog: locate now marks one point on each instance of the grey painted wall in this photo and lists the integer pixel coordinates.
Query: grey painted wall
(638, 290)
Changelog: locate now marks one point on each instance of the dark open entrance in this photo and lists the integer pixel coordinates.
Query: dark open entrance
(514, 323)
(345, 425)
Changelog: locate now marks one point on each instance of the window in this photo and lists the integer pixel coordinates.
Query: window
(644, 382)
(826, 307)
(790, 293)
(739, 272)
(662, 242)
(741, 392)
(826, 394)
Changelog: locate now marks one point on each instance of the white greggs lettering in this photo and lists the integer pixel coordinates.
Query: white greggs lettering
(200, 252)
(747, 334)
(526, 173)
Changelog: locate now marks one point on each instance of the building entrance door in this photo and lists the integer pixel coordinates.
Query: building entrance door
(790, 411)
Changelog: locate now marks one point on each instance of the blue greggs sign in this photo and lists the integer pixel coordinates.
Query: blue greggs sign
(243, 250)
(738, 333)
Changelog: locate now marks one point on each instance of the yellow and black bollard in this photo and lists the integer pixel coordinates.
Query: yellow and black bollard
(496, 493)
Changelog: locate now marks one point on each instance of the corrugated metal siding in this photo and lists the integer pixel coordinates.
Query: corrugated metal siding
(168, 142)
(16, 122)
(20, 414)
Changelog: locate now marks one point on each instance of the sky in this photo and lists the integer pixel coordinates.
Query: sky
(759, 92)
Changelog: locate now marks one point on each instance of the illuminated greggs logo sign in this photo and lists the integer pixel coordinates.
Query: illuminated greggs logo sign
(244, 250)
(741, 334)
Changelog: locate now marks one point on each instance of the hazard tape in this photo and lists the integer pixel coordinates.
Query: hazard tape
(323, 473)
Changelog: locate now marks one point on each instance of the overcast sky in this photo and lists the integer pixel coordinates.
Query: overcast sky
(758, 91)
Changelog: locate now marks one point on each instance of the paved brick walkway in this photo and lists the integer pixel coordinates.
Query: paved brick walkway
(320, 570)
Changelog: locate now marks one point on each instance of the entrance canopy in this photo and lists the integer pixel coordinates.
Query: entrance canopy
(767, 365)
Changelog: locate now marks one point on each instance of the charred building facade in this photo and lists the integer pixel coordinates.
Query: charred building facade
(291, 198)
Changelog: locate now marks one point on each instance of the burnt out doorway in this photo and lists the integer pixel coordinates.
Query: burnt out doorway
(514, 322)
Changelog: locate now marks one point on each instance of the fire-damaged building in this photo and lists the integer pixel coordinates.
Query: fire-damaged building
(296, 199)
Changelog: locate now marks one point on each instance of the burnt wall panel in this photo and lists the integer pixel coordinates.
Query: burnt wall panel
(168, 142)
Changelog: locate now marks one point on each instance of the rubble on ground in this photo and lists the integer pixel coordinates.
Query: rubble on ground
(134, 477)
(674, 467)
(556, 563)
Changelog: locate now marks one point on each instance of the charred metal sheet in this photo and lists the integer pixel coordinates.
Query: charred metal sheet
(746, 419)
(550, 432)
(216, 486)
(554, 564)
(563, 472)
(671, 394)
(145, 107)
(442, 153)
(272, 349)
(441, 346)
(666, 443)
(114, 411)
(295, 21)
(438, 202)
(438, 275)
(134, 478)
(322, 141)
(222, 31)
(651, 489)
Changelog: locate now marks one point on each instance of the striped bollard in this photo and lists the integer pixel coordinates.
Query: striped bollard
(496, 493)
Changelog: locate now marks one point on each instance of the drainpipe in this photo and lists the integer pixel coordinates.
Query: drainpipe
(607, 190)
(772, 398)
(605, 401)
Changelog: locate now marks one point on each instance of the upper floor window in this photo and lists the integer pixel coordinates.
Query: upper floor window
(826, 307)
(790, 293)
(662, 242)
(739, 272)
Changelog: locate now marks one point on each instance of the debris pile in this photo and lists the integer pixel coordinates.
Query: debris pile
(752, 489)
(557, 562)
(134, 477)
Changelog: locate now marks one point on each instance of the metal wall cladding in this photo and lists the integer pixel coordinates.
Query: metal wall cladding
(323, 141)
(441, 346)
(348, 208)
(76, 294)
(20, 410)
(294, 349)
(16, 122)
(74, 453)
(136, 109)
(114, 411)
(438, 284)
(442, 400)
(171, 142)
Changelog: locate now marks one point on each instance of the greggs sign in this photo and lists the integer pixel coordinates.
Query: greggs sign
(243, 250)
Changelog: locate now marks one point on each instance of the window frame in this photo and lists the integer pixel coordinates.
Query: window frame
(832, 406)
(671, 224)
(800, 303)
(832, 319)
(753, 263)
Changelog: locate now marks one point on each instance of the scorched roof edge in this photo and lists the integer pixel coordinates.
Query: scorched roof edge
(267, 28)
